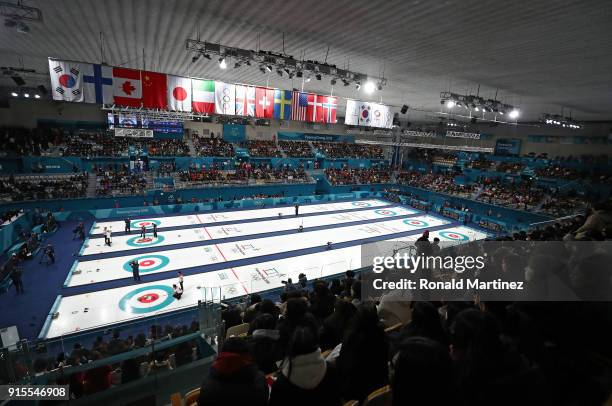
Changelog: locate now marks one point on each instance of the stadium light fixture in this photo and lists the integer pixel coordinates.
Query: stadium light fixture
(14, 94)
(222, 63)
(26, 95)
(450, 104)
(37, 96)
(514, 114)
(369, 87)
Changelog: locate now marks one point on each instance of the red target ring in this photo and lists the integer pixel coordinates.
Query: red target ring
(147, 262)
(148, 298)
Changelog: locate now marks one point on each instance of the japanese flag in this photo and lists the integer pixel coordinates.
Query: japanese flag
(179, 93)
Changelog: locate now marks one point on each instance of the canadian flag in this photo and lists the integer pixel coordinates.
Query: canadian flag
(127, 88)
(179, 93)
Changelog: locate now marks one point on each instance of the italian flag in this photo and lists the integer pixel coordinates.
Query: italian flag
(203, 96)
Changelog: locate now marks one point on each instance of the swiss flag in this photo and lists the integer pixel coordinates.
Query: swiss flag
(264, 102)
(127, 89)
(314, 111)
(154, 90)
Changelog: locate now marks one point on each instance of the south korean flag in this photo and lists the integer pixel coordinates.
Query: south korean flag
(66, 80)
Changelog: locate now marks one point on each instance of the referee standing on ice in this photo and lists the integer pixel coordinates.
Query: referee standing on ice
(135, 270)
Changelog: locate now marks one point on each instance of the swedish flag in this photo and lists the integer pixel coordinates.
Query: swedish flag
(282, 104)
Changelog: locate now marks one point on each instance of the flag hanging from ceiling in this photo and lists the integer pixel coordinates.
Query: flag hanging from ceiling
(382, 116)
(127, 89)
(299, 105)
(203, 96)
(154, 90)
(66, 80)
(330, 107)
(282, 104)
(97, 83)
(245, 101)
(225, 98)
(179, 93)
(368, 114)
(365, 114)
(351, 116)
(264, 99)
(314, 111)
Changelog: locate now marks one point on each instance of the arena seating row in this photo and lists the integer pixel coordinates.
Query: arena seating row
(43, 187)
(349, 176)
(260, 148)
(346, 150)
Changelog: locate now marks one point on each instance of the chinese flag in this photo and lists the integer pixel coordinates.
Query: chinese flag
(264, 102)
(154, 90)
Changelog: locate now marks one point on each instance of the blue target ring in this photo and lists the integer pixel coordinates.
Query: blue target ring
(454, 236)
(146, 242)
(148, 223)
(163, 261)
(416, 223)
(385, 212)
(361, 204)
(127, 307)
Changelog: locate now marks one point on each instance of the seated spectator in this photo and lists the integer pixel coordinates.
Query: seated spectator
(234, 379)
(362, 363)
(421, 373)
(335, 325)
(305, 378)
(99, 378)
(264, 343)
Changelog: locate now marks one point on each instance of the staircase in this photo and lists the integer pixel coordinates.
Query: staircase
(92, 185)
(283, 154)
(192, 150)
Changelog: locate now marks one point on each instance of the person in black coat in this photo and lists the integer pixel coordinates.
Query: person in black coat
(135, 270)
(16, 278)
(305, 378)
(128, 225)
(364, 348)
(154, 230)
(234, 379)
(263, 344)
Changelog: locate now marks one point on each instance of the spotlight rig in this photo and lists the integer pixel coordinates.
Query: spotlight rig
(268, 61)
(478, 104)
(560, 121)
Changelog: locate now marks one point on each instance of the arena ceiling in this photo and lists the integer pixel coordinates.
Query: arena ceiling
(541, 55)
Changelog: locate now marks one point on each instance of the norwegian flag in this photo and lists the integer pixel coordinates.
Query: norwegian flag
(299, 106)
(330, 106)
